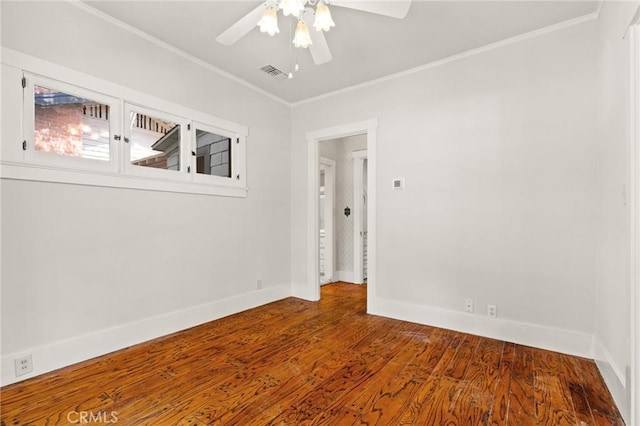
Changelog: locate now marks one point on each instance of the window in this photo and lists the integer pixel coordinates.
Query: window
(154, 141)
(213, 154)
(72, 129)
(69, 126)
(216, 153)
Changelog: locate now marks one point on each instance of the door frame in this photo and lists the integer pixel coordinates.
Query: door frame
(358, 207)
(314, 137)
(329, 167)
(634, 190)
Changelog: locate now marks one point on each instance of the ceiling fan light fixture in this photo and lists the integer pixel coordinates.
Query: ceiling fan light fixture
(323, 21)
(302, 37)
(292, 7)
(269, 21)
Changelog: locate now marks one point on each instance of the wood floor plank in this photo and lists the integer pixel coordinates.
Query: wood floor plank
(312, 378)
(426, 362)
(367, 362)
(233, 379)
(295, 362)
(382, 399)
(261, 378)
(500, 407)
(420, 403)
(490, 351)
(521, 390)
(460, 360)
(603, 419)
(443, 398)
(125, 369)
(598, 397)
(581, 407)
(553, 402)
(186, 421)
(570, 374)
(481, 379)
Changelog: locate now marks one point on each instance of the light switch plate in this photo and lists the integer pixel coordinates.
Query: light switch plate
(398, 183)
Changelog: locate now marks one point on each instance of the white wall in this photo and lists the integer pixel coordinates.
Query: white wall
(498, 152)
(88, 269)
(613, 221)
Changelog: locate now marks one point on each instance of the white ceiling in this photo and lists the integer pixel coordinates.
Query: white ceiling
(364, 46)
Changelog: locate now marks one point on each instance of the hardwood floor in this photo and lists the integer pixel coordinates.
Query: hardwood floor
(297, 362)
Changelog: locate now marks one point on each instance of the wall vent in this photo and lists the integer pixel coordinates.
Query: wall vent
(274, 72)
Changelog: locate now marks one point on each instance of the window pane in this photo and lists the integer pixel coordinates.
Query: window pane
(69, 125)
(154, 142)
(213, 155)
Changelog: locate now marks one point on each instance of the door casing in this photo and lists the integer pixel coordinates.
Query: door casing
(368, 127)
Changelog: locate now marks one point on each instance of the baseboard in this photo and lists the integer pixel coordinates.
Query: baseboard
(555, 339)
(346, 276)
(66, 352)
(304, 291)
(615, 378)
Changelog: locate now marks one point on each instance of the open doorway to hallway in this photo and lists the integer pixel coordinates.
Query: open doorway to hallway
(314, 138)
(342, 210)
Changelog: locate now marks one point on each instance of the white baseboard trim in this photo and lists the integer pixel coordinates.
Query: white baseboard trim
(602, 355)
(346, 276)
(304, 292)
(615, 378)
(555, 339)
(62, 353)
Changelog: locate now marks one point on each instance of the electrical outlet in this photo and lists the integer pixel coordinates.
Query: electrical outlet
(23, 365)
(259, 285)
(492, 311)
(468, 305)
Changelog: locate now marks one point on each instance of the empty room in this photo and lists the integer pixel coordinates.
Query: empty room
(328, 212)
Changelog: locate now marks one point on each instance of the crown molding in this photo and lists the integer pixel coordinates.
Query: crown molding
(531, 34)
(516, 39)
(173, 49)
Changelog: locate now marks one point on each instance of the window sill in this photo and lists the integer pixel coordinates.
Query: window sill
(31, 172)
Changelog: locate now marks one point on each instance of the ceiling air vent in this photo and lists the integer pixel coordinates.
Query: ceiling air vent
(274, 72)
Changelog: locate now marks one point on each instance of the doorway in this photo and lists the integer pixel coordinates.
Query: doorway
(368, 131)
(341, 209)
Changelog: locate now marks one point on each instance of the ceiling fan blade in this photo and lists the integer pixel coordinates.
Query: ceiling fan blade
(318, 48)
(393, 8)
(241, 28)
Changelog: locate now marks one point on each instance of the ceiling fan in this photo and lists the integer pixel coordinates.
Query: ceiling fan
(265, 16)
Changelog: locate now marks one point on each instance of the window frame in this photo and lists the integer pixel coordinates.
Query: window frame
(236, 147)
(18, 160)
(134, 170)
(43, 158)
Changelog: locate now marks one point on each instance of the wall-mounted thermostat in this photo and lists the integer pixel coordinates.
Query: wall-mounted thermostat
(398, 183)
